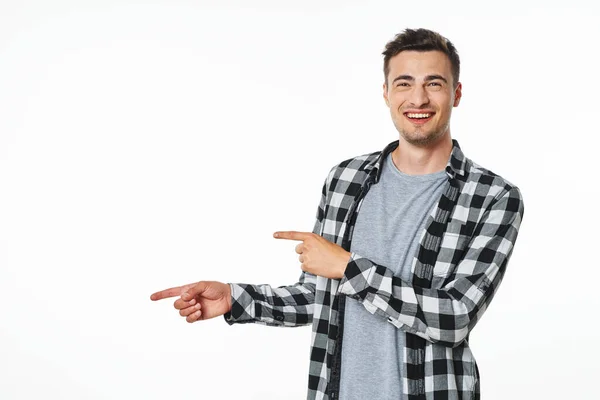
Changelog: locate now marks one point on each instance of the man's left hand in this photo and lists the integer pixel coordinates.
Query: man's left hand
(318, 255)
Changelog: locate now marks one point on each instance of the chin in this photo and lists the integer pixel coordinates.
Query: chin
(421, 140)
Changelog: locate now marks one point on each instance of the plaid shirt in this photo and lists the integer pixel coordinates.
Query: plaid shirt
(460, 262)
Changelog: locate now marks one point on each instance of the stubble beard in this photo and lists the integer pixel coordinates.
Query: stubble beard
(419, 138)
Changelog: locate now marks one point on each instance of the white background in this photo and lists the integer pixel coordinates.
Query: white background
(145, 145)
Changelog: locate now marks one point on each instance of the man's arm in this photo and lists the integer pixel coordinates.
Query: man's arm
(444, 315)
(283, 306)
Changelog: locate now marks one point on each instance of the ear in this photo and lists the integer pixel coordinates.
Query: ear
(385, 95)
(457, 94)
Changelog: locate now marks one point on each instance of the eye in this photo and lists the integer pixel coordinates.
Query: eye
(434, 84)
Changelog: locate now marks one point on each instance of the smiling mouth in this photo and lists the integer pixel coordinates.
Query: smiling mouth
(419, 118)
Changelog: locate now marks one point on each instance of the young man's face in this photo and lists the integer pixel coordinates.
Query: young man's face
(420, 94)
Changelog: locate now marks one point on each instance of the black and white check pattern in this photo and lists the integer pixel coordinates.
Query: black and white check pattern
(459, 265)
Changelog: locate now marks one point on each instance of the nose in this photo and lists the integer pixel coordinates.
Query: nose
(418, 96)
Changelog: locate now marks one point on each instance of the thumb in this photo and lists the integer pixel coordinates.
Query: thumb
(195, 290)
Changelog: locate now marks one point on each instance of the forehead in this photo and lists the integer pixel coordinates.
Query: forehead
(420, 64)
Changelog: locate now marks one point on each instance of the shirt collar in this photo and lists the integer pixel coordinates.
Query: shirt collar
(456, 166)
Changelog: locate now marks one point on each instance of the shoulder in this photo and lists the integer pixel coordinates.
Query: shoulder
(484, 182)
(361, 162)
(354, 169)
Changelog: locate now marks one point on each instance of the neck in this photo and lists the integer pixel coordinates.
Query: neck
(415, 160)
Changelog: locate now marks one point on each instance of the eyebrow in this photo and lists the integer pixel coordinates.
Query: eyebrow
(427, 78)
(435, 77)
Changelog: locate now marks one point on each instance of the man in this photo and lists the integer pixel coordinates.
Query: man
(409, 247)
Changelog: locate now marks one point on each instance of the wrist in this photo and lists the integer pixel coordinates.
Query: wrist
(344, 265)
(228, 297)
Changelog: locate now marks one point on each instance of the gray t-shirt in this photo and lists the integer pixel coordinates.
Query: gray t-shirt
(388, 229)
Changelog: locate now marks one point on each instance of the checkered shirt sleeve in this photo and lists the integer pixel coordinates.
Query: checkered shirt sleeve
(445, 315)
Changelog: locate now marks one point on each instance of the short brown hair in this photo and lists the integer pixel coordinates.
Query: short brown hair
(421, 40)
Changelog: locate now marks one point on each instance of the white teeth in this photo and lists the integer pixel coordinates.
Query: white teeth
(419, 115)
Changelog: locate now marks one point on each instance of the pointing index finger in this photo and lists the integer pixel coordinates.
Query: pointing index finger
(164, 294)
(292, 235)
(172, 292)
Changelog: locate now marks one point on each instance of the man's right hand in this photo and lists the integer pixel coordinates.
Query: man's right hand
(199, 301)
